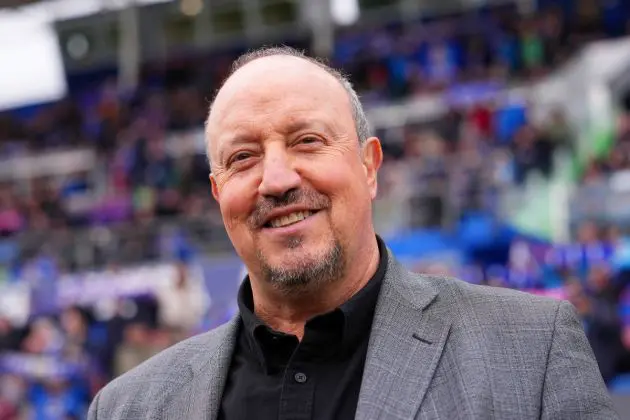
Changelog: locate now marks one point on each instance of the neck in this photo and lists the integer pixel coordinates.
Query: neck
(289, 314)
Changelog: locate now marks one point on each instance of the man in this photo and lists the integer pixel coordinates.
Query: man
(331, 326)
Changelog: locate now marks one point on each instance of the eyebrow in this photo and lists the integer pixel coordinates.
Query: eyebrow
(236, 140)
(303, 124)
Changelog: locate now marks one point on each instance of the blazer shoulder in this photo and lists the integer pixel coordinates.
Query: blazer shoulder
(170, 368)
(500, 303)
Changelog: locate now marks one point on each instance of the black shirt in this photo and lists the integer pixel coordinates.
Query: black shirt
(275, 376)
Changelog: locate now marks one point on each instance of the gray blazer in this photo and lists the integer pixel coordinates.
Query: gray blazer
(439, 349)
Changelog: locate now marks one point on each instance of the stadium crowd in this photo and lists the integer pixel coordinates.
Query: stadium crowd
(142, 176)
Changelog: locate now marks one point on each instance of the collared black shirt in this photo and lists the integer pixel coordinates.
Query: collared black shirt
(275, 376)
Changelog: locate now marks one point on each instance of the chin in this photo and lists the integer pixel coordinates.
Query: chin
(295, 251)
(303, 243)
(301, 265)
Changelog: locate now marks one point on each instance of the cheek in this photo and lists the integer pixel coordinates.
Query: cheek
(349, 194)
(235, 206)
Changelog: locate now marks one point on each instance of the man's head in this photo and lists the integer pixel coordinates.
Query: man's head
(293, 168)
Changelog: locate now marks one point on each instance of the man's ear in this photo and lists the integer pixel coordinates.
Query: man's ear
(215, 188)
(372, 156)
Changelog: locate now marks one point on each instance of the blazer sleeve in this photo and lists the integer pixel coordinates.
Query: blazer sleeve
(573, 387)
(93, 410)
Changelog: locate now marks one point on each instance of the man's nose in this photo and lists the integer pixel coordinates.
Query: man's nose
(279, 176)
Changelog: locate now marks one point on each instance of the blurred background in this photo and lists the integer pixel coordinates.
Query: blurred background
(505, 124)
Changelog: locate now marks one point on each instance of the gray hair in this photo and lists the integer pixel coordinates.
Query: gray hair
(361, 123)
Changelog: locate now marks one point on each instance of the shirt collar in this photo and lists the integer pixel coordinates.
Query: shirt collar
(357, 312)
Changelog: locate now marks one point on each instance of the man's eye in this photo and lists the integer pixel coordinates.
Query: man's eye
(241, 156)
(309, 140)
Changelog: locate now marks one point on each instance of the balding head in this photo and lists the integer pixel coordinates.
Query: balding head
(358, 114)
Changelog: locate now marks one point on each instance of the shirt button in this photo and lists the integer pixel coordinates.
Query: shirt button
(300, 377)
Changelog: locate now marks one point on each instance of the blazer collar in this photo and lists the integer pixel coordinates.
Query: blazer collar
(200, 398)
(408, 336)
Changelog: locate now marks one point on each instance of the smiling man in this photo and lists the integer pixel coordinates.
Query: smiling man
(331, 326)
(295, 180)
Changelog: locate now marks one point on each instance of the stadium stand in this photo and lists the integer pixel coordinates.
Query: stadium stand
(111, 248)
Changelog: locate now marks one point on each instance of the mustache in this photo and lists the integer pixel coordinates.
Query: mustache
(266, 204)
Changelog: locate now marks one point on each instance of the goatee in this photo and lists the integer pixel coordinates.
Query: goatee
(306, 273)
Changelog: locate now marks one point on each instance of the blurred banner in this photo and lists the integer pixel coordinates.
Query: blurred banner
(221, 276)
(40, 367)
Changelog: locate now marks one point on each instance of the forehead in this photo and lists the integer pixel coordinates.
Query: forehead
(274, 92)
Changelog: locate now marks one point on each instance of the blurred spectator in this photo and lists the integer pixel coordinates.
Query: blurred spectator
(11, 220)
(524, 153)
(136, 347)
(10, 337)
(557, 131)
(44, 338)
(182, 302)
(603, 324)
(13, 391)
(532, 152)
(588, 233)
(56, 399)
(532, 48)
(577, 296)
(75, 329)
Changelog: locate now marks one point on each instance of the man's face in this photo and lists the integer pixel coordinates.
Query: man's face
(292, 182)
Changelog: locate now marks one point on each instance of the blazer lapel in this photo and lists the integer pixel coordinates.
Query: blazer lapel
(200, 398)
(406, 342)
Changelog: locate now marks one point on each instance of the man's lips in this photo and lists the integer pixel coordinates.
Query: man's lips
(287, 215)
(289, 220)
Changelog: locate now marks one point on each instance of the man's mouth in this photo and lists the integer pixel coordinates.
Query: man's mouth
(289, 219)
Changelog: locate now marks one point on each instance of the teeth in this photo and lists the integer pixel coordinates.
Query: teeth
(290, 218)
